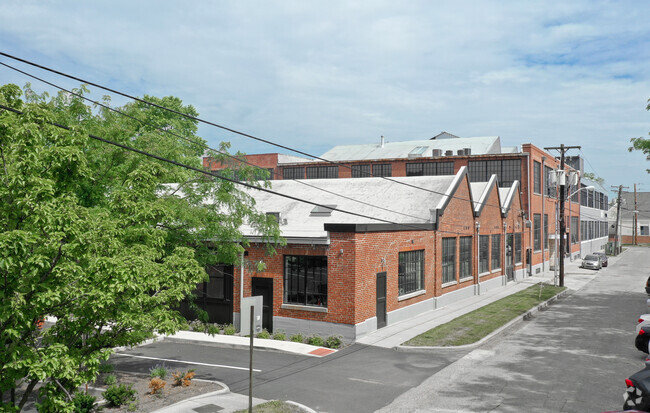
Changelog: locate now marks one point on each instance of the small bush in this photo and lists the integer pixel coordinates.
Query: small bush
(213, 330)
(229, 330)
(83, 403)
(158, 371)
(280, 336)
(315, 340)
(334, 342)
(264, 334)
(297, 338)
(117, 396)
(132, 407)
(157, 385)
(182, 378)
(106, 368)
(110, 379)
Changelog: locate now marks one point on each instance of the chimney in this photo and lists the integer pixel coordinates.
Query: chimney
(382, 141)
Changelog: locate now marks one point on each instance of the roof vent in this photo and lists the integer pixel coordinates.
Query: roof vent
(322, 211)
(449, 153)
(436, 152)
(468, 151)
(461, 152)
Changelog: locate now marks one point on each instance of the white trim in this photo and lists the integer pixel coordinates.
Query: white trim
(411, 295)
(466, 279)
(483, 274)
(449, 284)
(303, 308)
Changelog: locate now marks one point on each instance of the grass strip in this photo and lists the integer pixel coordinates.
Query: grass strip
(473, 326)
(274, 406)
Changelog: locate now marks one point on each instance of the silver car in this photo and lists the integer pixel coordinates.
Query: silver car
(591, 261)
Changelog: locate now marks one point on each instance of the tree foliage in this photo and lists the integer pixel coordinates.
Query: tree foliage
(641, 144)
(104, 240)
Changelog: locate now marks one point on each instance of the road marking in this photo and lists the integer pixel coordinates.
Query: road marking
(187, 362)
(365, 381)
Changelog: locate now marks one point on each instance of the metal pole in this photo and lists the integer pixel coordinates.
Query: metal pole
(250, 369)
(562, 223)
(635, 216)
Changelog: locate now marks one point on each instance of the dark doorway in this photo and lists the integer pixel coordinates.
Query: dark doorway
(381, 299)
(213, 296)
(510, 247)
(264, 287)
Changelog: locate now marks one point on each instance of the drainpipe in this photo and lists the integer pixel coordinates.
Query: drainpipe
(543, 189)
(504, 262)
(530, 232)
(478, 257)
(241, 288)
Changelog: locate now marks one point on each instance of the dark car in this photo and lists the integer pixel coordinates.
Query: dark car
(647, 286)
(637, 395)
(642, 339)
(603, 258)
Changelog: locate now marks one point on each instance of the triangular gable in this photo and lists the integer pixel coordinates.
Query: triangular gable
(485, 195)
(506, 204)
(451, 190)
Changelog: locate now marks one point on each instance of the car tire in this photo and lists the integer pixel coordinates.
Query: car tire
(636, 400)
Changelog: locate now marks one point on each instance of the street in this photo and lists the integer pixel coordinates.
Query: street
(573, 357)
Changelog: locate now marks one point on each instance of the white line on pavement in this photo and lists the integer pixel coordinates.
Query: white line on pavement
(187, 362)
(364, 380)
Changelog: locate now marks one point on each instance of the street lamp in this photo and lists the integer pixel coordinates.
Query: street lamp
(561, 246)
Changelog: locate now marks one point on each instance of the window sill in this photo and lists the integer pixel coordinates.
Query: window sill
(464, 279)
(449, 284)
(496, 270)
(483, 274)
(303, 308)
(411, 295)
(518, 263)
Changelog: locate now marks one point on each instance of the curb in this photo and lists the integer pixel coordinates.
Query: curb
(301, 406)
(523, 317)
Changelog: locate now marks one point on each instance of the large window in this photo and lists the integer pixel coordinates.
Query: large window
(360, 171)
(429, 168)
(484, 254)
(545, 231)
(305, 280)
(411, 271)
(322, 172)
(465, 257)
(496, 251)
(293, 173)
(383, 169)
(537, 232)
(448, 260)
(537, 177)
(574, 229)
(517, 248)
(507, 171)
(549, 187)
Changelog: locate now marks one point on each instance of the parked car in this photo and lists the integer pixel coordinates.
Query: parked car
(637, 395)
(642, 339)
(647, 286)
(591, 261)
(644, 321)
(603, 258)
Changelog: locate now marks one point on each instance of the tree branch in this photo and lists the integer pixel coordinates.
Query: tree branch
(28, 391)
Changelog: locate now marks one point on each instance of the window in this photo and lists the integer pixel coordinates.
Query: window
(360, 171)
(574, 229)
(448, 260)
(517, 248)
(305, 280)
(545, 231)
(322, 172)
(549, 187)
(496, 251)
(537, 232)
(293, 173)
(507, 171)
(429, 168)
(537, 177)
(382, 170)
(411, 271)
(644, 230)
(510, 172)
(465, 255)
(484, 254)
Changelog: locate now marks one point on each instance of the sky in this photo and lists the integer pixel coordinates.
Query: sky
(311, 75)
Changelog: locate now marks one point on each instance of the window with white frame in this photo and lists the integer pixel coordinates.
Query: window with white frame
(496, 251)
(448, 260)
(410, 272)
(465, 257)
(484, 254)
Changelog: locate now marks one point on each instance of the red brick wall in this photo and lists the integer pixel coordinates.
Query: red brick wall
(264, 160)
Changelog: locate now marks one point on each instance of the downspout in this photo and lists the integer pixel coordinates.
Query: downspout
(530, 232)
(543, 189)
(478, 257)
(241, 288)
(504, 267)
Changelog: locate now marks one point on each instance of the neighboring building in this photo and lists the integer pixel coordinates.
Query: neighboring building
(350, 275)
(627, 224)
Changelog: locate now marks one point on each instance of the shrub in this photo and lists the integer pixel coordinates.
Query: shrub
(156, 385)
(229, 330)
(83, 403)
(213, 330)
(106, 368)
(280, 336)
(315, 340)
(264, 334)
(334, 342)
(158, 371)
(182, 378)
(297, 338)
(110, 379)
(117, 396)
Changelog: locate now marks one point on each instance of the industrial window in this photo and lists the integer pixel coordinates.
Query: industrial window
(477, 172)
(517, 248)
(545, 231)
(445, 168)
(493, 168)
(496, 251)
(293, 173)
(411, 271)
(465, 257)
(549, 186)
(644, 230)
(360, 171)
(383, 169)
(448, 260)
(305, 280)
(322, 172)
(507, 171)
(429, 168)
(574, 229)
(537, 232)
(537, 177)
(484, 254)
(510, 172)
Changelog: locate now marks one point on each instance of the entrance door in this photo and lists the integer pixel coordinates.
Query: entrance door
(510, 271)
(381, 299)
(264, 287)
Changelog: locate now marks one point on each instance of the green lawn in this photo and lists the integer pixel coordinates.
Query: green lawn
(274, 406)
(472, 327)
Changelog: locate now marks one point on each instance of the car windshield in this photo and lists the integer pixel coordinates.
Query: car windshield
(591, 258)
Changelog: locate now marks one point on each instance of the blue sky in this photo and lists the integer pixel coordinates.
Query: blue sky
(315, 74)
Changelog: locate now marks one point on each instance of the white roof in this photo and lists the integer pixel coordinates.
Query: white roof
(391, 150)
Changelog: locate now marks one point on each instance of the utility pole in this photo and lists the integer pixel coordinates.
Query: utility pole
(618, 220)
(636, 213)
(562, 178)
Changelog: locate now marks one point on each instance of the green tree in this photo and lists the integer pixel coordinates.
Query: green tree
(592, 177)
(641, 144)
(105, 240)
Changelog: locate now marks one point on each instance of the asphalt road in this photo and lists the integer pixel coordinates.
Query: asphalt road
(573, 357)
